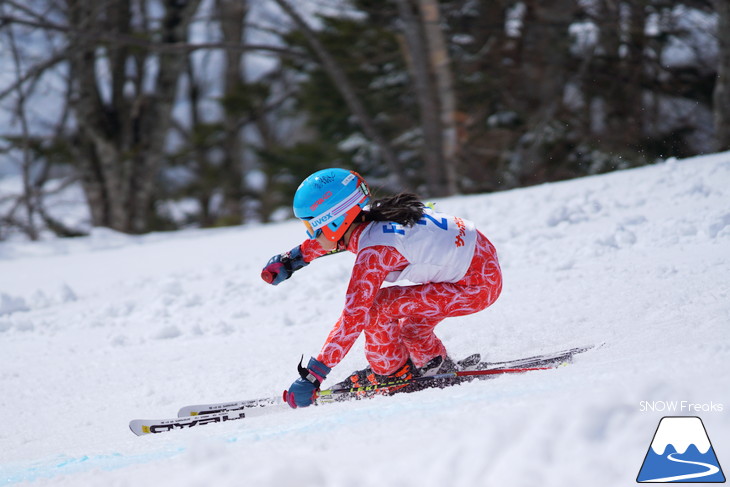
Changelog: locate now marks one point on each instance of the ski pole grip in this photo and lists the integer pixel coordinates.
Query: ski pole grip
(267, 276)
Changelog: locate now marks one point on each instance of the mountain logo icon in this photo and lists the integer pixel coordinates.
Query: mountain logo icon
(681, 452)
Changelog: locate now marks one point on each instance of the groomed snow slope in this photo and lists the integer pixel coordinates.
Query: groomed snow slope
(97, 331)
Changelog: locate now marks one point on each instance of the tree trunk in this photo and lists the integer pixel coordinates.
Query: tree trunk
(427, 97)
(201, 166)
(721, 97)
(544, 56)
(633, 73)
(441, 67)
(623, 43)
(101, 178)
(232, 15)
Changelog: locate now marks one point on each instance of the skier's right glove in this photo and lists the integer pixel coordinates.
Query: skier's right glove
(303, 391)
(281, 267)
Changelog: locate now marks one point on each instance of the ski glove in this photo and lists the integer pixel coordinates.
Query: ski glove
(281, 267)
(303, 391)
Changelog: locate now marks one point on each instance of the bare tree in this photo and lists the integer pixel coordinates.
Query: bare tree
(26, 211)
(28, 200)
(123, 124)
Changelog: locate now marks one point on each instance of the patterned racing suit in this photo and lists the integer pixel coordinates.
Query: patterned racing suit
(399, 321)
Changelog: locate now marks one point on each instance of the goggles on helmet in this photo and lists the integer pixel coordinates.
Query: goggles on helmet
(311, 232)
(335, 221)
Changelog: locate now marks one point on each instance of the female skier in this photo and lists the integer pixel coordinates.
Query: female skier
(396, 238)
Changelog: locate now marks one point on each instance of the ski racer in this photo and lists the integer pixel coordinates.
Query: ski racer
(453, 268)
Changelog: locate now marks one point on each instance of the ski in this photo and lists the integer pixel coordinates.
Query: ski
(537, 361)
(151, 426)
(202, 414)
(197, 409)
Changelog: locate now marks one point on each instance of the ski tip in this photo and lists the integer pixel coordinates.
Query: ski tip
(186, 411)
(587, 348)
(138, 427)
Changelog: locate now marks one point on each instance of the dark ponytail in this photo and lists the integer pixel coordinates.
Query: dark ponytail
(404, 208)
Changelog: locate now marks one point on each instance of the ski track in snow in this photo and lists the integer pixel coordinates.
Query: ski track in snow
(100, 330)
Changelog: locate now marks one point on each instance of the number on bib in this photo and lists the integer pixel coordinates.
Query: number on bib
(394, 228)
(391, 227)
(443, 224)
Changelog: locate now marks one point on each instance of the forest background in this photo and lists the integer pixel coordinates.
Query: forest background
(166, 114)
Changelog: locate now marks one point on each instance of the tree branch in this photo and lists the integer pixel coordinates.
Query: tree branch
(343, 85)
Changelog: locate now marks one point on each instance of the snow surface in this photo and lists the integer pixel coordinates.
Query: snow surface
(100, 330)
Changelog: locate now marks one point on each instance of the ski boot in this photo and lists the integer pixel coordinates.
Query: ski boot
(368, 381)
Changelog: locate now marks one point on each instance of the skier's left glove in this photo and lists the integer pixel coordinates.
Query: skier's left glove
(281, 267)
(303, 391)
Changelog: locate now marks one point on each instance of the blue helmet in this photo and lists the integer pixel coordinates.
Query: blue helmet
(329, 200)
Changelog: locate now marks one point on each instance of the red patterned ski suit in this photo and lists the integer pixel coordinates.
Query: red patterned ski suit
(398, 321)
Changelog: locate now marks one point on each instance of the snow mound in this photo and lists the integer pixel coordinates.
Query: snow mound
(100, 330)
